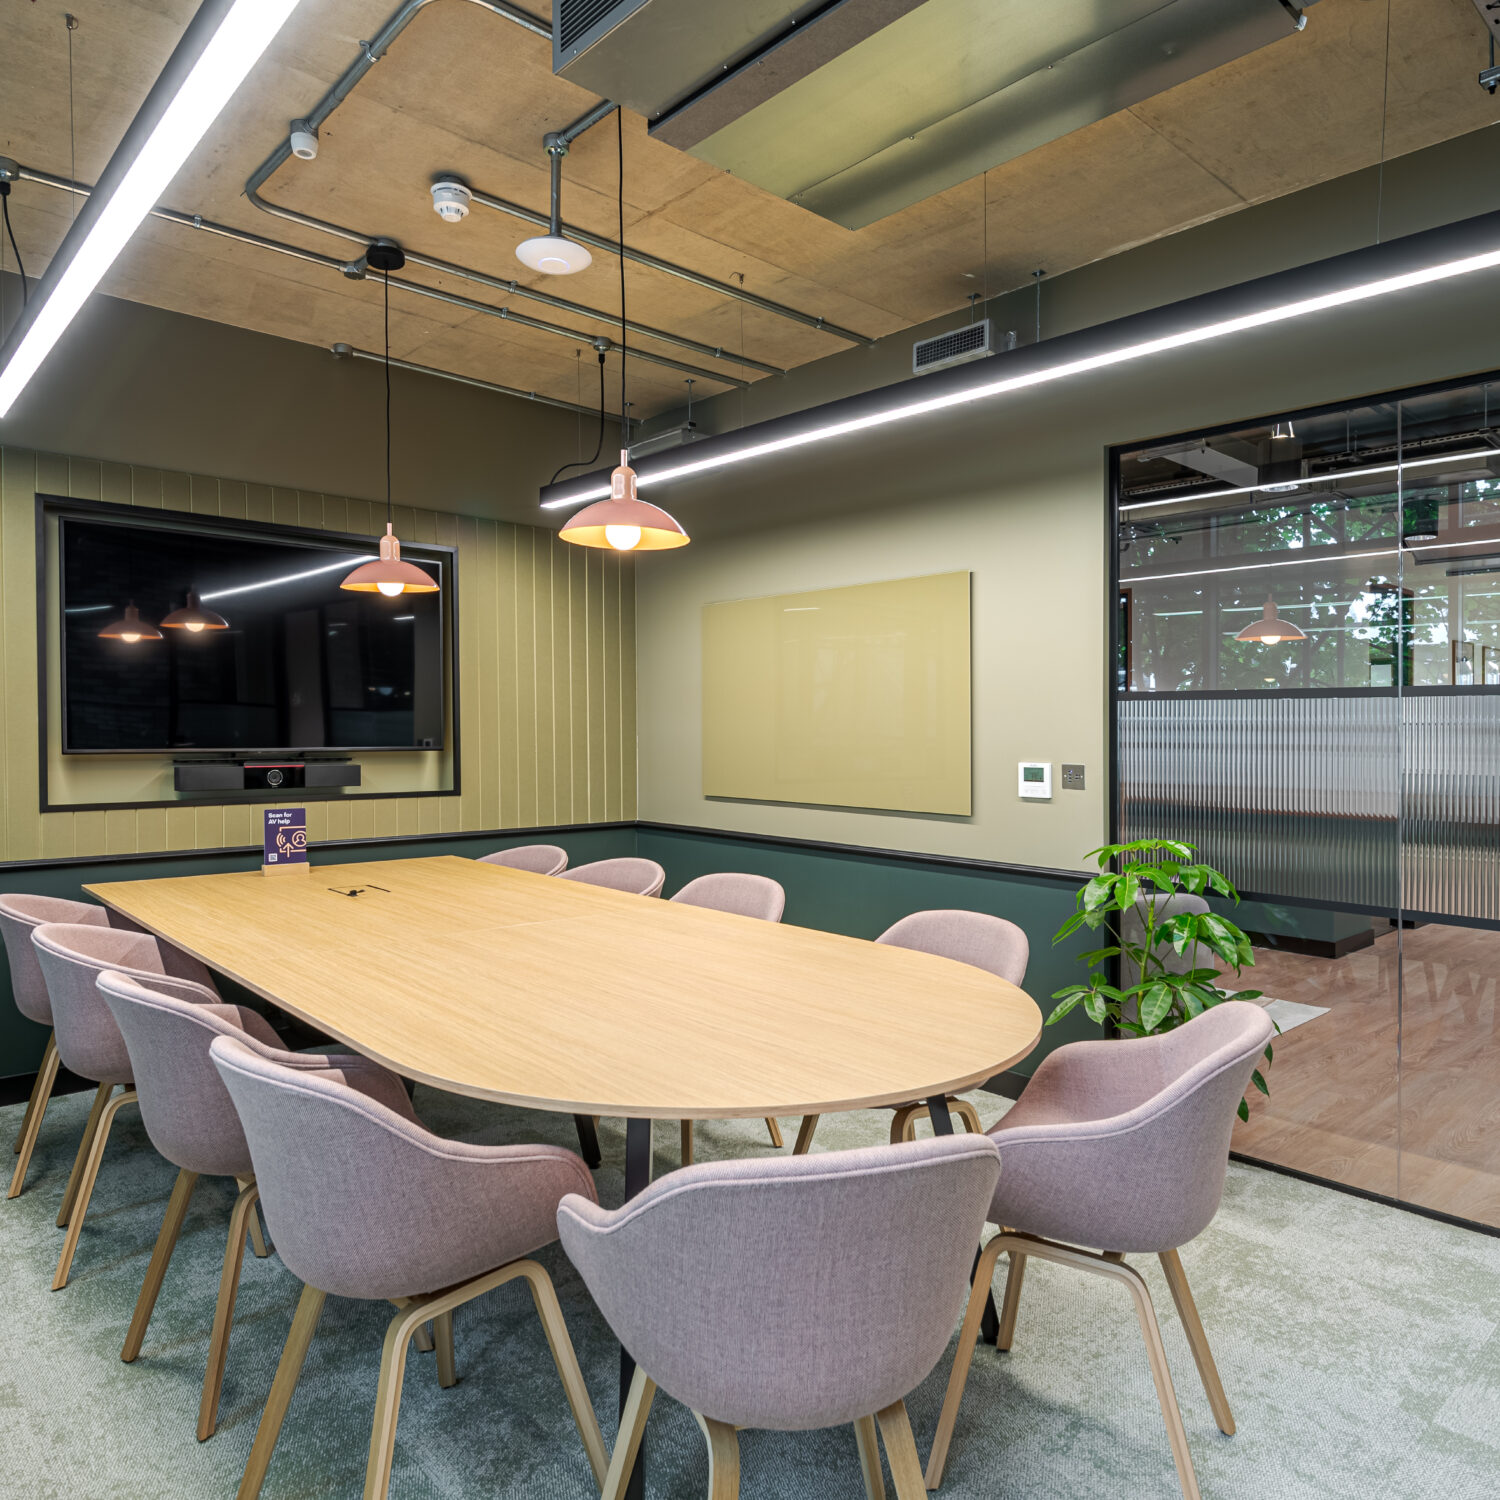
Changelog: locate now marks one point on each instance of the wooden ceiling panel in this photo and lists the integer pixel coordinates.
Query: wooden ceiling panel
(463, 91)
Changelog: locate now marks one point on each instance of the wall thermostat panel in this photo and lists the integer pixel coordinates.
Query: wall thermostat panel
(1035, 780)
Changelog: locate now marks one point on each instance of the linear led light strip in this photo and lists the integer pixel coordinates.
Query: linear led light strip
(1312, 557)
(244, 33)
(270, 583)
(1297, 484)
(1364, 292)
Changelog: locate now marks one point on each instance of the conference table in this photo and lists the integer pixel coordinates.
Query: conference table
(558, 995)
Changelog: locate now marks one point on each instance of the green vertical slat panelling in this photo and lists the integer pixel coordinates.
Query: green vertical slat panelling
(629, 772)
(208, 827)
(145, 488)
(387, 818)
(339, 820)
(335, 513)
(317, 822)
(466, 671)
(232, 498)
(203, 495)
(176, 491)
(508, 729)
(119, 831)
(182, 827)
(239, 826)
(258, 502)
(57, 835)
(524, 615)
(613, 790)
(23, 829)
(284, 506)
(151, 830)
(116, 486)
(361, 820)
(409, 816)
(562, 686)
(89, 834)
(309, 510)
(18, 477)
(598, 752)
(85, 478)
(578, 674)
(546, 767)
(486, 647)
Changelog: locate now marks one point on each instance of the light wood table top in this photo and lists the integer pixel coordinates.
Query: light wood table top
(557, 995)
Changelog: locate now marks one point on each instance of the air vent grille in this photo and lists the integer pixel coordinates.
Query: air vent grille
(574, 17)
(972, 341)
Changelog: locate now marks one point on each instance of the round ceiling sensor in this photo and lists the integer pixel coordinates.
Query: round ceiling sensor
(450, 200)
(553, 255)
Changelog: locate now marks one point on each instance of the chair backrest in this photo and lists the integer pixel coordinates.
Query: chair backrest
(72, 957)
(971, 937)
(540, 859)
(745, 895)
(1133, 930)
(792, 1292)
(360, 1199)
(1125, 1144)
(186, 1109)
(20, 915)
(641, 877)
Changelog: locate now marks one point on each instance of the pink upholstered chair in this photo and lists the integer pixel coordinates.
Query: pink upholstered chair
(790, 1293)
(968, 937)
(192, 1123)
(1121, 1146)
(363, 1202)
(641, 877)
(540, 859)
(71, 957)
(745, 896)
(20, 915)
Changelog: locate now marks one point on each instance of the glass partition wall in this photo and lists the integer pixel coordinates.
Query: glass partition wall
(1307, 689)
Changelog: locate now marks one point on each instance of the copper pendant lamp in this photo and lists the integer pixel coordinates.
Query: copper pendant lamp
(388, 575)
(1270, 628)
(624, 522)
(193, 617)
(130, 627)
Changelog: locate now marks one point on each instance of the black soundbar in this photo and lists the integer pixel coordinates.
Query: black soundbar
(199, 776)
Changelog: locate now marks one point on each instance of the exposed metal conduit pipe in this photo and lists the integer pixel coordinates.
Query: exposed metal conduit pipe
(348, 351)
(355, 269)
(370, 54)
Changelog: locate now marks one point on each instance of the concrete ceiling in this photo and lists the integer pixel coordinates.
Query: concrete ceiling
(463, 91)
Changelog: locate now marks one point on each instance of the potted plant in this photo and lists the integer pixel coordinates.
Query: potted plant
(1162, 998)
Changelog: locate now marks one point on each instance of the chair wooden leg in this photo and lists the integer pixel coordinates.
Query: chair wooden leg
(723, 1458)
(422, 1337)
(628, 1439)
(31, 1122)
(901, 1452)
(1012, 1303)
(968, 1114)
(442, 1336)
(1161, 1374)
(774, 1126)
(257, 1239)
(549, 1310)
(80, 1161)
(86, 1186)
(903, 1122)
(156, 1270)
(869, 1458)
(1187, 1311)
(229, 1285)
(304, 1325)
(687, 1143)
(388, 1398)
(968, 1336)
(805, 1135)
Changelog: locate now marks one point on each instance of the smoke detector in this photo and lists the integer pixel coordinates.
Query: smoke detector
(303, 140)
(450, 200)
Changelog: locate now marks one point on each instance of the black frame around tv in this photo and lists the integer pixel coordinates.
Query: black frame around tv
(304, 668)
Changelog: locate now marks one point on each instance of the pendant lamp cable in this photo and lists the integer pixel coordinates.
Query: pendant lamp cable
(588, 463)
(620, 159)
(389, 513)
(11, 235)
(71, 22)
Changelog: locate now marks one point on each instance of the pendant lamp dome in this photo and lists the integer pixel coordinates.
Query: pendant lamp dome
(1270, 628)
(130, 627)
(624, 522)
(388, 574)
(193, 617)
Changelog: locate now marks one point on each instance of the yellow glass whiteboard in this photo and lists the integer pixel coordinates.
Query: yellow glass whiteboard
(849, 697)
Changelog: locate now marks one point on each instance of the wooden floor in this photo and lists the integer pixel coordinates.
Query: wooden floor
(1397, 1088)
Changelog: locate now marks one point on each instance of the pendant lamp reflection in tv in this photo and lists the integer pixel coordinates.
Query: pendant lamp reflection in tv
(387, 574)
(624, 522)
(1270, 628)
(130, 628)
(193, 617)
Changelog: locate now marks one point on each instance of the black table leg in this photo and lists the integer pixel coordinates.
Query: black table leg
(588, 1141)
(942, 1124)
(637, 1179)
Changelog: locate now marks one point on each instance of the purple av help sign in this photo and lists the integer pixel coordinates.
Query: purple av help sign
(286, 840)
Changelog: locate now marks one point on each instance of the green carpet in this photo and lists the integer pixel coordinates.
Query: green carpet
(1357, 1343)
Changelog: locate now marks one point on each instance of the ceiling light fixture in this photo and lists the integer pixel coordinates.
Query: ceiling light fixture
(130, 628)
(553, 253)
(219, 47)
(194, 618)
(388, 575)
(624, 521)
(1270, 628)
(1286, 312)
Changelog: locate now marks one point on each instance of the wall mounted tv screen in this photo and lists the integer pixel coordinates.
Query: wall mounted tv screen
(298, 663)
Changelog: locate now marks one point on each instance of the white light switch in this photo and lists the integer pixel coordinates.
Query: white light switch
(1035, 780)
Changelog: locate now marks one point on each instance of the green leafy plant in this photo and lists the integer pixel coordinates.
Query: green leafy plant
(1162, 998)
